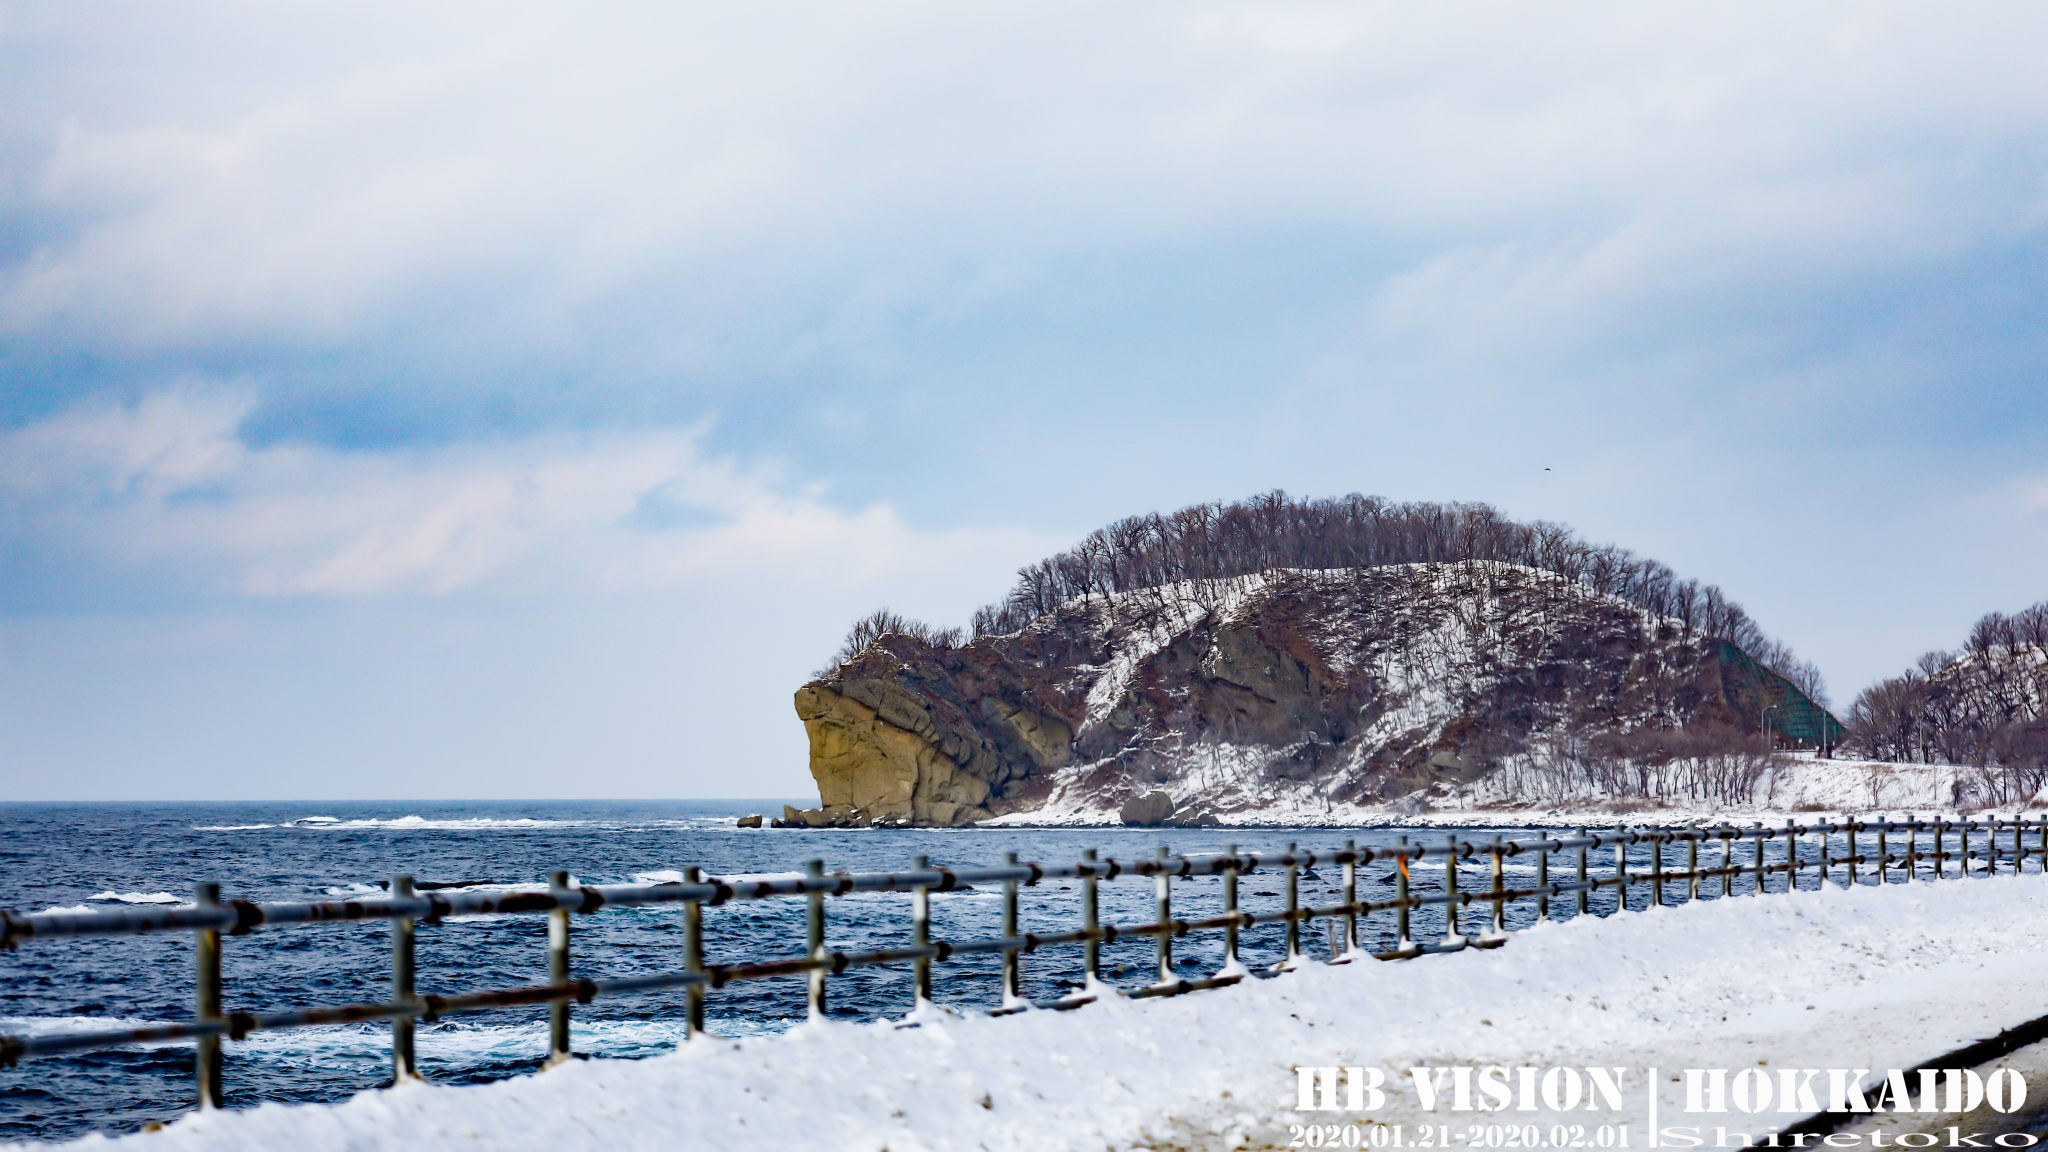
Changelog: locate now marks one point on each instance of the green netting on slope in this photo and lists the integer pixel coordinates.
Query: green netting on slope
(1764, 699)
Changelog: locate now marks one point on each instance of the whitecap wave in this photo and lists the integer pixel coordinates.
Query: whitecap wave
(354, 890)
(465, 824)
(751, 877)
(230, 827)
(73, 909)
(138, 897)
(57, 1025)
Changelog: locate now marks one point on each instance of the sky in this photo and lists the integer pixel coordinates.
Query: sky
(516, 400)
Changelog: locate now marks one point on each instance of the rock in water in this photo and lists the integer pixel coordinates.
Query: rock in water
(749, 822)
(1147, 811)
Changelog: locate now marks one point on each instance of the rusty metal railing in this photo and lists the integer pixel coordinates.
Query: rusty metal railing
(1997, 842)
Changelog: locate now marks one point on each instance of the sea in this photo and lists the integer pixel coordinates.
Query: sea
(102, 856)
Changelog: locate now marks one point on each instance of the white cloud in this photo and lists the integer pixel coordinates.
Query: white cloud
(312, 177)
(164, 485)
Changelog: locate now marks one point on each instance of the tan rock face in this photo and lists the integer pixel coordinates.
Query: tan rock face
(864, 761)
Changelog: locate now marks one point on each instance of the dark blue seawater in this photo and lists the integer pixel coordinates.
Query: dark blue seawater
(115, 855)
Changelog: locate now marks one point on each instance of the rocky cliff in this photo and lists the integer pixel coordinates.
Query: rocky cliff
(1287, 691)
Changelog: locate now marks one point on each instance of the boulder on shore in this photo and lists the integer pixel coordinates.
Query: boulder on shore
(1147, 811)
(829, 816)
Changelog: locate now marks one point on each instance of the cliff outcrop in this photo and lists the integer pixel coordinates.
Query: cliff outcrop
(1286, 691)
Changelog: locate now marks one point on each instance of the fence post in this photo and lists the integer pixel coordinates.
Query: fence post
(1452, 933)
(921, 934)
(1165, 936)
(1091, 951)
(1293, 906)
(206, 1002)
(693, 956)
(1543, 881)
(1884, 852)
(1757, 889)
(1692, 863)
(1912, 847)
(558, 968)
(1230, 910)
(1585, 895)
(1657, 868)
(1940, 826)
(814, 935)
(1727, 859)
(1350, 896)
(1620, 868)
(1406, 942)
(1853, 826)
(1499, 930)
(403, 1067)
(2019, 856)
(1013, 961)
(1791, 856)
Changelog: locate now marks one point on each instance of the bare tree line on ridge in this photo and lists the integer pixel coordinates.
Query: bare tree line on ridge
(1193, 556)
(1984, 705)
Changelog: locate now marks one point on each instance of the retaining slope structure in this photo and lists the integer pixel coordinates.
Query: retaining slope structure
(1740, 861)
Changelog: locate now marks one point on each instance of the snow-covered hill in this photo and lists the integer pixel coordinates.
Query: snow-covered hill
(1295, 694)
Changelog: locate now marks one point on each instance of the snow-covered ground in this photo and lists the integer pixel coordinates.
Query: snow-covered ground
(1802, 787)
(1867, 978)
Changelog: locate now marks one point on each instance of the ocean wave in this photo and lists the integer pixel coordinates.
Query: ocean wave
(477, 823)
(58, 1025)
(138, 897)
(425, 887)
(464, 824)
(449, 824)
(354, 890)
(753, 877)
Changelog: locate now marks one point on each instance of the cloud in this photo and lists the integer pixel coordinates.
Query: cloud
(516, 298)
(165, 488)
(653, 192)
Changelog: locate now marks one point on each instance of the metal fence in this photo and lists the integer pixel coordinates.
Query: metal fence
(1735, 862)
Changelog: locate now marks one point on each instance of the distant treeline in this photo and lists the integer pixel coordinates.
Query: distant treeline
(1206, 544)
(1981, 705)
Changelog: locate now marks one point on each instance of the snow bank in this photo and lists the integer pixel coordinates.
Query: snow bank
(1867, 978)
(1803, 787)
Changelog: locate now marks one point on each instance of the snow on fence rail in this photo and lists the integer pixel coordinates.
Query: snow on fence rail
(1741, 856)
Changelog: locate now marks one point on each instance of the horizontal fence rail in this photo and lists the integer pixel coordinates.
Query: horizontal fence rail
(1734, 854)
